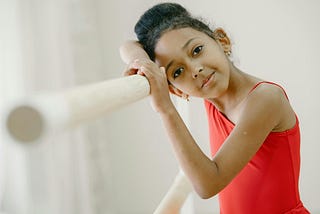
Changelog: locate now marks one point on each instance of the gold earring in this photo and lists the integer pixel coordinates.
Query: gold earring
(186, 97)
(228, 53)
(221, 35)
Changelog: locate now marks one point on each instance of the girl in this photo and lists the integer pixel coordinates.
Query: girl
(254, 132)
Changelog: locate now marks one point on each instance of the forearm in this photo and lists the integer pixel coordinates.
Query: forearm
(201, 171)
(131, 50)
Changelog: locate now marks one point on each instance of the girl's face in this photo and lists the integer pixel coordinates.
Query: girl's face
(195, 63)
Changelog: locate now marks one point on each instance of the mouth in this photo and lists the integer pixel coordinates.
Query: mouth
(207, 80)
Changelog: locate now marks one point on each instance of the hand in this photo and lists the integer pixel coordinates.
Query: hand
(130, 70)
(160, 98)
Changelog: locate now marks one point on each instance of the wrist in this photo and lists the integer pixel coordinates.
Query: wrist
(169, 110)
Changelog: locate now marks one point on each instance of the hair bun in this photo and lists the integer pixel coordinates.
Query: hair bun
(167, 11)
(161, 18)
(153, 17)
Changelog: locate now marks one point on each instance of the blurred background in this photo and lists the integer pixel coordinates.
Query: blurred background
(123, 163)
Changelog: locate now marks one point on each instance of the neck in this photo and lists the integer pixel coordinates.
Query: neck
(239, 86)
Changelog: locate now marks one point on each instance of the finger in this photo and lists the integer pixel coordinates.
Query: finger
(163, 71)
(138, 63)
(145, 72)
(140, 72)
(129, 72)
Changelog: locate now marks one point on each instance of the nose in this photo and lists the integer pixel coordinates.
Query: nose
(196, 71)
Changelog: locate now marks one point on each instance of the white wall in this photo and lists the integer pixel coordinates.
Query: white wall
(123, 163)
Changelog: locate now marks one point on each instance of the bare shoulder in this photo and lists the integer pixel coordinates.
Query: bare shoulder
(269, 91)
(271, 100)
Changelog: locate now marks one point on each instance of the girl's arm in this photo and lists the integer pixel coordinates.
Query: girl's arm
(265, 109)
(132, 50)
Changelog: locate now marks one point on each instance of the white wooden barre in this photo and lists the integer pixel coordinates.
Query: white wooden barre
(176, 196)
(30, 119)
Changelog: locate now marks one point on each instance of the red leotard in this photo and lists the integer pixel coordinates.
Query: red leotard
(269, 182)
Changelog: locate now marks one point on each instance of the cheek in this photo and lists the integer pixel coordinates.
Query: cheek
(180, 86)
(189, 88)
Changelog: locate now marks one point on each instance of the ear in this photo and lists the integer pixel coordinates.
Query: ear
(221, 37)
(176, 91)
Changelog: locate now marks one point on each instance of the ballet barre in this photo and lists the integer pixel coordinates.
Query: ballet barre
(30, 119)
(174, 199)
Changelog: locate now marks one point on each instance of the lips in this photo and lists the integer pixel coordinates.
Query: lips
(206, 80)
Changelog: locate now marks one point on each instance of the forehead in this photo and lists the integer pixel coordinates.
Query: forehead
(171, 43)
(175, 40)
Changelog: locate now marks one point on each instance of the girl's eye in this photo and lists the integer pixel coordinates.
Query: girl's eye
(197, 50)
(177, 72)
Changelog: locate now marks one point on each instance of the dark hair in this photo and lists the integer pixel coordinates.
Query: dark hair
(164, 17)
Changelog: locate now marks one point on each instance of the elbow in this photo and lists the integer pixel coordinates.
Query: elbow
(211, 184)
(126, 48)
(123, 53)
(209, 189)
(206, 192)
(206, 196)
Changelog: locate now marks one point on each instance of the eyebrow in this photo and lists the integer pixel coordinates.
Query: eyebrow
(183, 47)
(188, 42)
